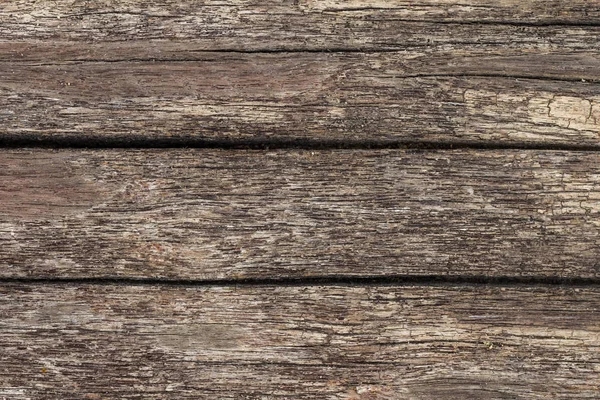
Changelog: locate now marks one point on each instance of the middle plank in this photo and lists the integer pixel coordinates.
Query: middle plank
(219, 214)
(505, 97)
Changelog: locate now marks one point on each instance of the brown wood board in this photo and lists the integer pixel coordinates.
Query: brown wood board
(233, 214)
(329, 342)
(85, 27)
(487, 72)
(481, 99)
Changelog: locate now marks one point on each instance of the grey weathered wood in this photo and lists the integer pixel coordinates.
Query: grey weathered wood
(410, 342)
(416, 96)
(211, 214)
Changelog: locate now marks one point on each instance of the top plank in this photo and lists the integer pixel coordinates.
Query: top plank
(508, 72)
(168, 30)
(290, 24)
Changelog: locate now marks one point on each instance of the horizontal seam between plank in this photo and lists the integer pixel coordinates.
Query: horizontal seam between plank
(390, 48)
(137, 142)
(329, 280)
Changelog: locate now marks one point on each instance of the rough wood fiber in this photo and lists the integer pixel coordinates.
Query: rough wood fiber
(211, 214)
(315, 96)
(487, 72)
(100, 342)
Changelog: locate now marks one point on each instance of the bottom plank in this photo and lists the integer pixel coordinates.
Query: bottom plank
(72, 341)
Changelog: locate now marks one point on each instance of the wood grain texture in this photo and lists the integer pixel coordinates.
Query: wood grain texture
(142, 26)
(212, 214)
(483, 72)
(409, 342)
(146, 274)
(475, 98)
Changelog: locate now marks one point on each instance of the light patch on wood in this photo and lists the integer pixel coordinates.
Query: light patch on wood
(13, 393)
(199, 337)
(529, 116)
(357, 5)
(567, 112)
(370, 392)
(55, 313)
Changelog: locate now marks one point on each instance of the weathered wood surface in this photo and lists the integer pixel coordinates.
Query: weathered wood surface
(71, 27)
(340, 97)
(484, 73)
(212, 214)
(409, 342)
(492, 72)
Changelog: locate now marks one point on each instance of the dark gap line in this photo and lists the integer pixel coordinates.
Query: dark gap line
(516, 23)
(187, 58)
(330, 280)
(223, 51)
(136, 142)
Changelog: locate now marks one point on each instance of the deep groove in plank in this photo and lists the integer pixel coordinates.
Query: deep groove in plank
(277, 50)
(137, 142)
(332, 280)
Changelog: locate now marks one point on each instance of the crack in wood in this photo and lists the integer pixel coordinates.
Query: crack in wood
(333, 280)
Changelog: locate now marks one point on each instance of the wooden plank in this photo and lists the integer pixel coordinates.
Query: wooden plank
(526, 99)
(135, 27)
(212, 214)
(331, 342)
(486, 72)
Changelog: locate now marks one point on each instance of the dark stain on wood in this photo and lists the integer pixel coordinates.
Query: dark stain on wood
(44, 187)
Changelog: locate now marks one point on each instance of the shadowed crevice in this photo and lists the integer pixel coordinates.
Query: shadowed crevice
(137, 142)
(328, 280)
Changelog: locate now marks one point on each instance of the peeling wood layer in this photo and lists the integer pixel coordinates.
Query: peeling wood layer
(222, 214)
